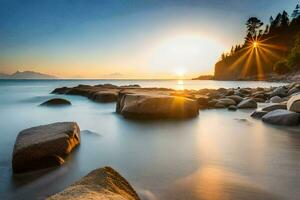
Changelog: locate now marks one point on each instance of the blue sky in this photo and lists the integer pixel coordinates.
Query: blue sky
(90, 39)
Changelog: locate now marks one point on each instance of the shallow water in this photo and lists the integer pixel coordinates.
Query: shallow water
(218, 155)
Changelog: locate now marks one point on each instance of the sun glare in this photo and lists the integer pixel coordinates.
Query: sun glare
(255, 44)
(185, 54)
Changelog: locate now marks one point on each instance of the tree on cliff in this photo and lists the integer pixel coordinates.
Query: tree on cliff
(253, 23)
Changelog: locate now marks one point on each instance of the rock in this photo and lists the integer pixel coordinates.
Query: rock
(56, 102)
(282, 117)
(247, 103)
(219, 105)
(232, 108)
(245, 91)
(226, 102)
(100, 184)
(202, 102)
(44, 146)
(275, 99)
(258, 114)
(229, 92)
(62, 90)
(259, 100)
(260, 95)
(279, 91)
(293, 103)
(293, 90)
(274, 107)
(212, 103)
(236, 98)
(143, 106)
(104, 96)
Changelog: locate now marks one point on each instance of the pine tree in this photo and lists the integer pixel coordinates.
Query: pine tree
(284, 19)
(253, 24)
(296, 12)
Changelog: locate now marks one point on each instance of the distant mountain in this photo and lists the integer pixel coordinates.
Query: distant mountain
(26, 75)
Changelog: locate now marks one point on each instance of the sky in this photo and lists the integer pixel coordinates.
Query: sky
(140, 39)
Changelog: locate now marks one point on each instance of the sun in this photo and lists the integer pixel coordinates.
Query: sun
(184, 55)
(180, 72)
(255, 44)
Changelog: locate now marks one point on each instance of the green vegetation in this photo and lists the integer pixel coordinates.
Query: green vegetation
(270, 49)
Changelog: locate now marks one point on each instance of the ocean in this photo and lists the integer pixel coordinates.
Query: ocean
(218, 155)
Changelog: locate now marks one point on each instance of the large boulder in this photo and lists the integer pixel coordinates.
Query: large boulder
(56, 102)
(293, 103)
(247, 103)
(44, 146)
(156, 106)
(100, 184)
(282, 117)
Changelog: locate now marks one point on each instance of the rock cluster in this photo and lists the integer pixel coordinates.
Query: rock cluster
(286, 111)
(136, 102)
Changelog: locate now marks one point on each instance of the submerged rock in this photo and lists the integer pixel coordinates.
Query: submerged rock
(100, 184)
(247, 103)
(56, 102)
(156, 106)
(44, 146)
(293, 103)
(282, 117)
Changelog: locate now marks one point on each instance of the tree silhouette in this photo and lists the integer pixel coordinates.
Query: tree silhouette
(253, 23)
(296, 12)
(284, 19)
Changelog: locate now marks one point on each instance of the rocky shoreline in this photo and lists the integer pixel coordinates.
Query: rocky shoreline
(47, 145)
(134, 101)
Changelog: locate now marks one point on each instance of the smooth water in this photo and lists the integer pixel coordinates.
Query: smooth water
(218, 155)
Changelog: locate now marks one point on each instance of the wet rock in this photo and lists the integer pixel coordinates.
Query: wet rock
(212, 103)
(226, 102)
(232, 108)
(104, 96)
(258, 100)
(236, 98)
(202, 102)
(56, 102)
(219, 105)
(229, 92)
(258, 114)
(153, 106)
(279, 91)
(100, 184)
(282, 117)
(276, 99)
(247, 103)
(44, 146)
(62, 90)
(294, 90)
(293, 103)
(274, 107)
